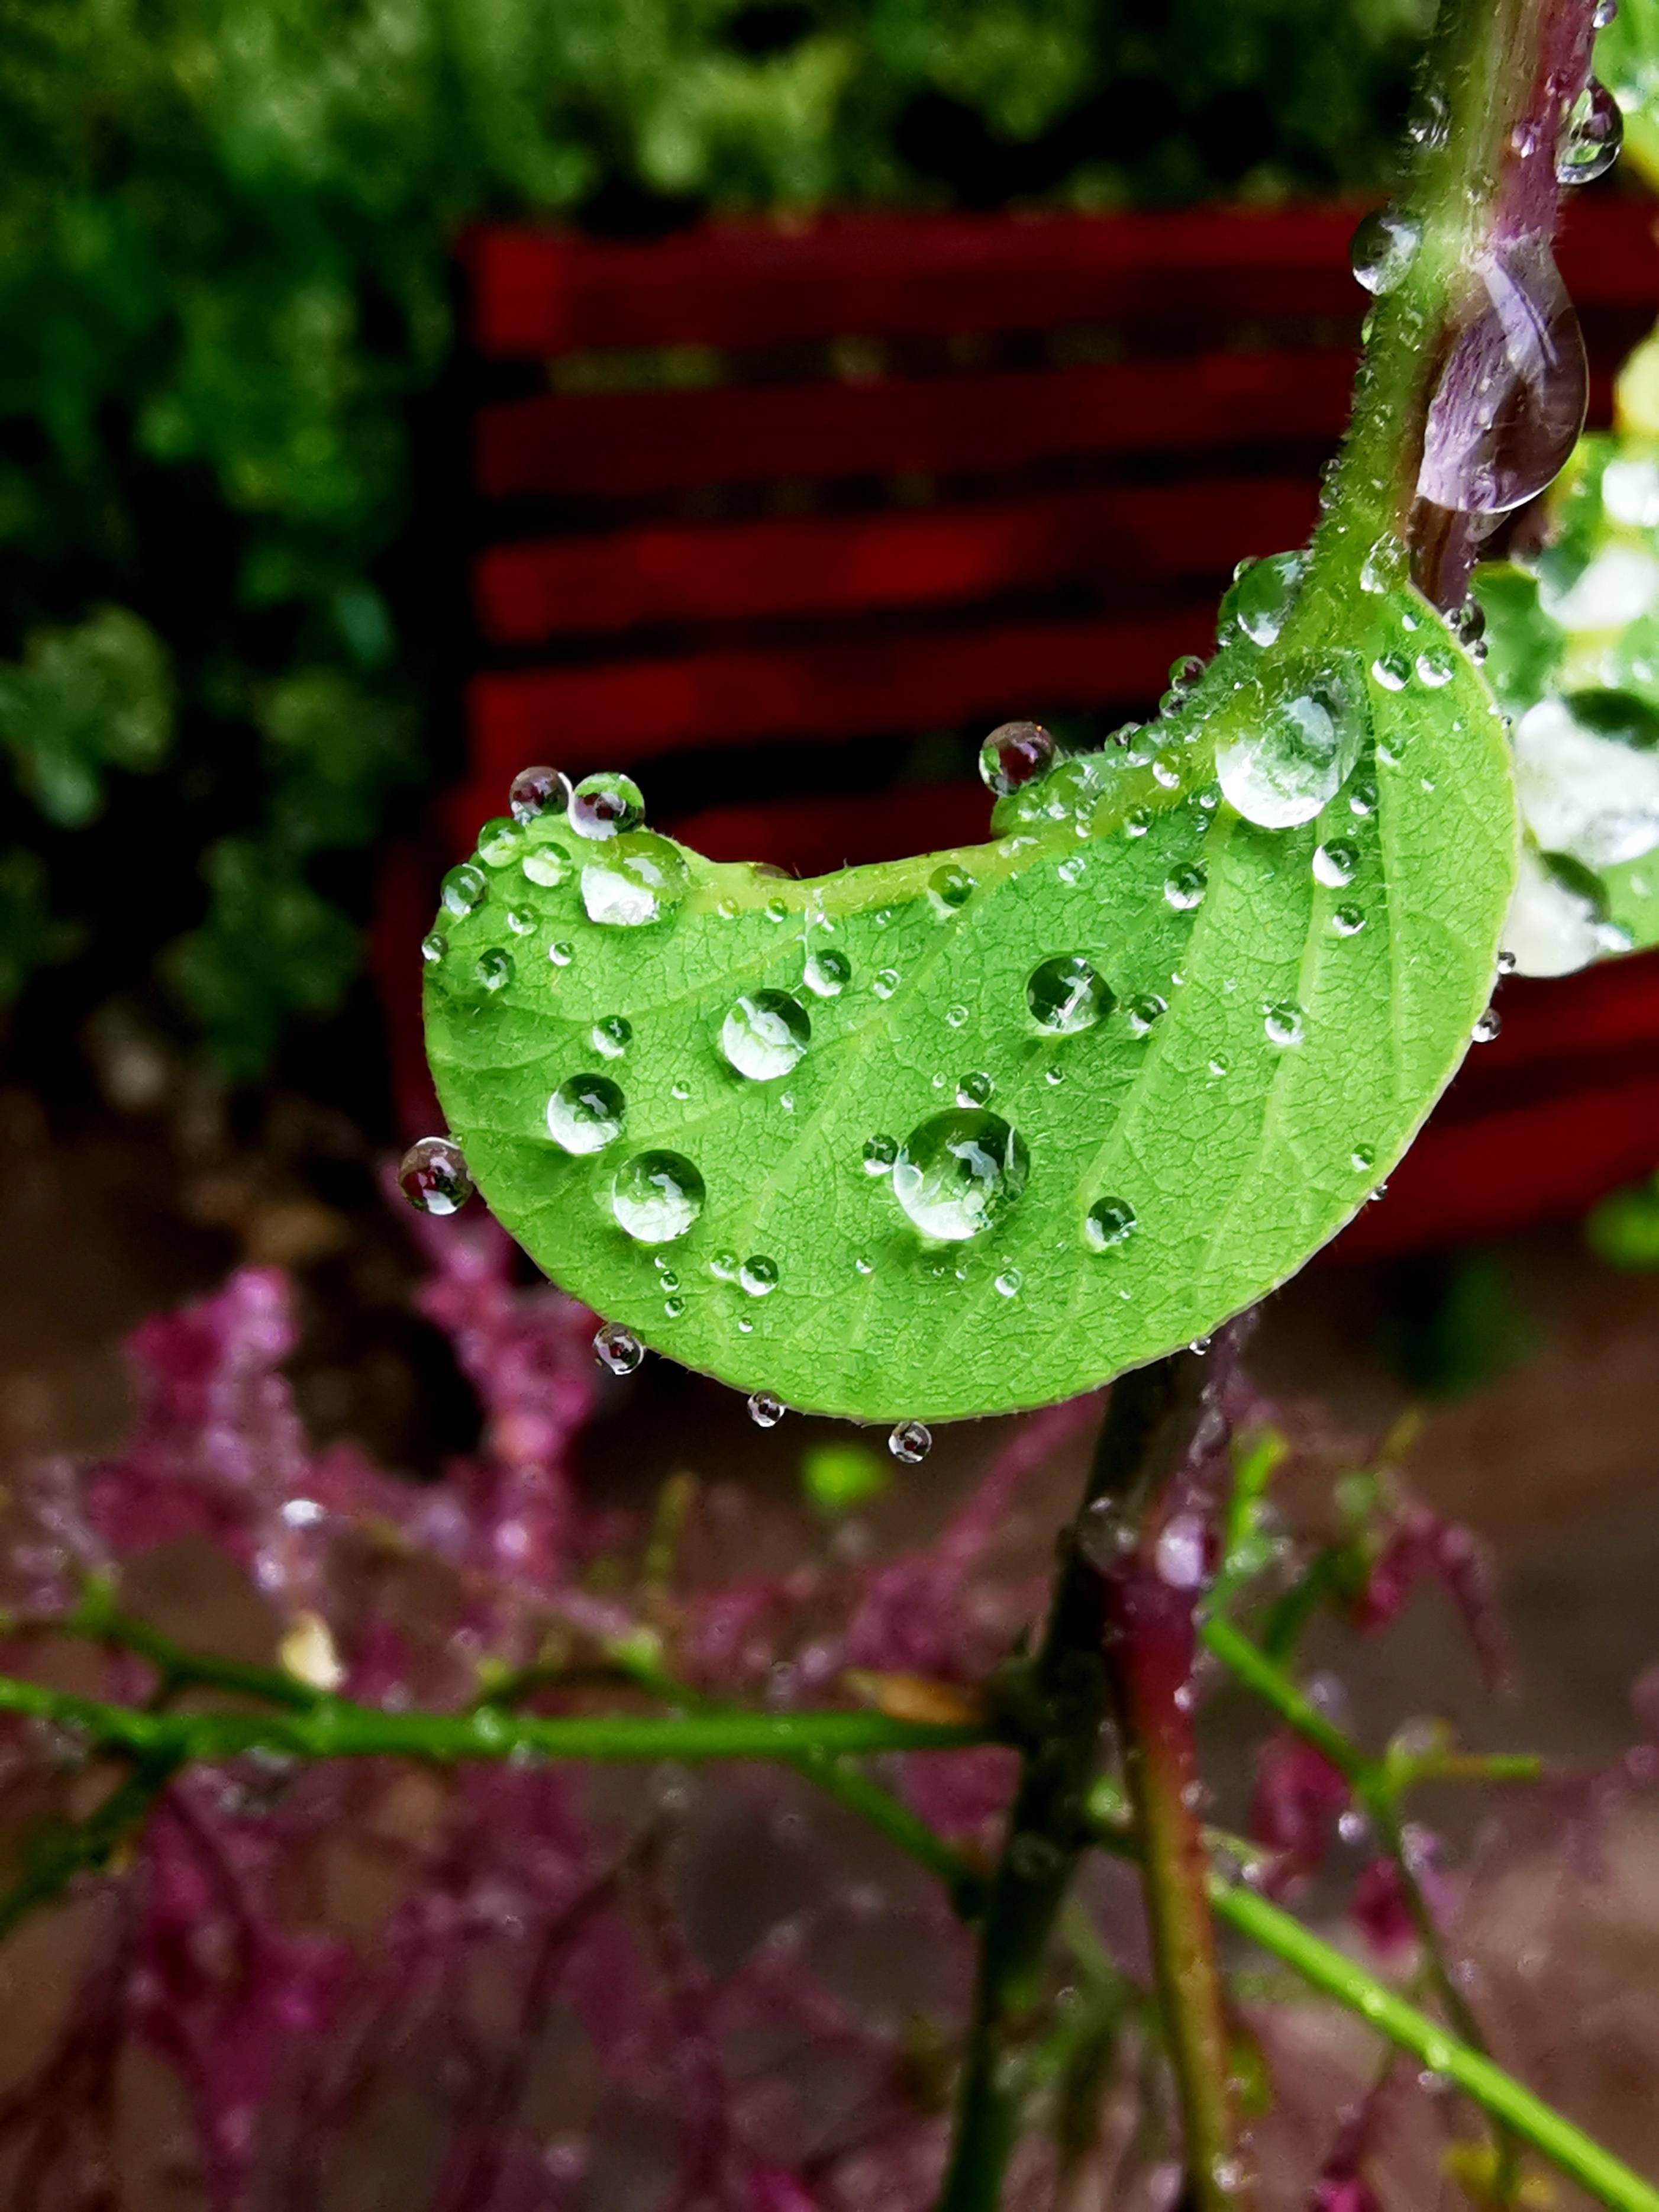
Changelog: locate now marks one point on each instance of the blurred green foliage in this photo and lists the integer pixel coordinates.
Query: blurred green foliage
(225, 277)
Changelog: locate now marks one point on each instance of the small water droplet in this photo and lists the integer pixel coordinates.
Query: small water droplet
(1186, 674)
(1287, 753)
(656, 1197)
(723, 1267)
(1007, 1283)
(1137, 821)
(433, 945)
(974, 1090)
(1071, 871)
(1435, 668)
(910, 1443)
(672, 1307)
(1185, 886)
(957, 1173)
(765, 1034)
(606, 805)
(679, 1089)
(1362, 799)
(545, 865)
(1347, 920)
(777, 910)
(1336, 863)
(1143, 1011)
(500, 842)
(828, 973)
(879, 1154)
(1221, 1065)
(1015, 754)
(950, 888)
(1284, 1022)
(612, 1036)
(632, 880)
(1605, 11)
(535, 792)
(1178, 1556)
(561, 952)
(1108, 1223)
(519, 922)
(617, 1348)
(758, 1275)
(956, 1018)
(1105, 1536)
(1506, 963)
(1066, 994)
(495, 968)
(1486, 1028)
(1392, 670)
(433, 1176)
(1594, 134)
(464, 890)
(1381, 248)
(585, 1114)
(764, 1410)
(864, 1266)
(1260, 599)
(886, 982)
(1054, 1075)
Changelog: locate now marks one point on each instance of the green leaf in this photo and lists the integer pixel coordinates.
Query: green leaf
(837, 1476)
(1257, 1065)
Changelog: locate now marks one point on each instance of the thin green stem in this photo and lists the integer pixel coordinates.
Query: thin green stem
(60, 1850)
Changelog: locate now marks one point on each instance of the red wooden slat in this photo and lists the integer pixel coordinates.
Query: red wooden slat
(545, 293)
(1550, 1161)
(629, 444)
(839, 564)
(630, 711)
(814, 836)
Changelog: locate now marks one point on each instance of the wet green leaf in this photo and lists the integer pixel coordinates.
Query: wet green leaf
(1152, 1056)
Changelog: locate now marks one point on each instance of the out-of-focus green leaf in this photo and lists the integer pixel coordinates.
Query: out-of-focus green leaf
(84, 700)
(1623, 1229)
(29, 937)
(837, 1476)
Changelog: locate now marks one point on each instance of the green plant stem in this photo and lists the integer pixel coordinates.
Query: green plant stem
(1070, 1692)
(335, 1728)
(60, 1850)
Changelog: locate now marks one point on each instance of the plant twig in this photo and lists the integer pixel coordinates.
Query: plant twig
(1149, 1422)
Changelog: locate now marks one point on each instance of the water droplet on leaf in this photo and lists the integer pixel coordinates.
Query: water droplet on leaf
(1336, 863)
(1015, 754)
(433, 1176)
(612, 1036)
(1260, 600)
(879, 1154)
(1066, 994)
(1486, 1028)
(950, 888)
(758, 1275)
(585, 1114)
(1185, 886)
(1143, 1011)
(1108, 1223)
(656, 1197)
(535, 792)
(974, 1090)
(764, 1035)
(1392, 670)
(617, 1348)
(464, 890)
(1007, 1283)
(828, 973)
(606, 805)
(910, 1443)
(560, 953)
(545, 865)
(632, 880)
(886, 982)
(500, 842)
(764, 1410)
(433, 945)
(495, 968)
(1381, 248)
(1348, 921)
(1287, 747)
(959, 1173)
(1284, 1023)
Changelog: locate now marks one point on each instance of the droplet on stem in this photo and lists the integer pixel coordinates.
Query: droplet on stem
(1593, 136)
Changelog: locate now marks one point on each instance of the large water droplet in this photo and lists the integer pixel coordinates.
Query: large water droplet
(1510, 402)
(1381, 248)
(464, 890)
(910, 1443)
(765, 1034)
(879, 1154)
(606, 805)
(585, 1114)
(950, 888)
(632, 880)
(959, 1173)
(1260, 600)
(1017, 753)
(612, 1036)
(495, 968)
(546, 866)
(1287, 749)
(433, 1175)
(1594, 132)
(535, 792)
(1284, 1022)
(758, 1275)
(765, 1411)
(975, 1089)
(656, 1197)
(828, 973)
(500, 842)
(617, 1348)
(1143, 1011)
(1066, 994)
(1108, 1223)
